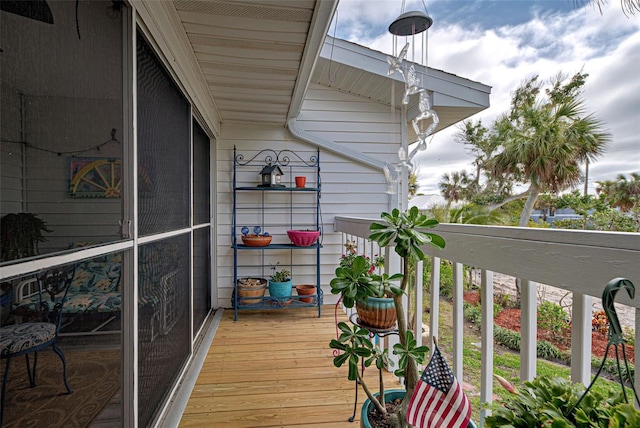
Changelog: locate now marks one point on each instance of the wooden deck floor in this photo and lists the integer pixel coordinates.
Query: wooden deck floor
(274, 369)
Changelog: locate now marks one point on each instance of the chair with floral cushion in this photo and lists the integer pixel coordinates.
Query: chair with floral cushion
(30, 337)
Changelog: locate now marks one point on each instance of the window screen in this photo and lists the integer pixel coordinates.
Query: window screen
(163, 147)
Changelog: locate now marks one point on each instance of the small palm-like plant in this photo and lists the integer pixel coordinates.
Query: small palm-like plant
(282, 275)
(407, 232)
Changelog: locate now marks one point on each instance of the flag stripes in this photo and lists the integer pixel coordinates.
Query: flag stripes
(438, 400)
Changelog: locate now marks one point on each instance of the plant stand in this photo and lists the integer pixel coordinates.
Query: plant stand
(377, 334)
(276, 209)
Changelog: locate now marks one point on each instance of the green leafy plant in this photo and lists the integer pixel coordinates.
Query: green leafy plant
(551, 402)
(21, 233)
(407, 232)
(473, 313)
(629, 335)
(282, 275)
(552, 317)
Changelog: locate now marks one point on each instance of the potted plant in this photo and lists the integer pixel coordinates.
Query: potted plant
(21, 234)
(555, 401)
(376, 309)
(280, 284)
(407, 231)
(251, 290)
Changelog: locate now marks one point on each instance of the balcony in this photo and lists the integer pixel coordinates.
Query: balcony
(582, 262)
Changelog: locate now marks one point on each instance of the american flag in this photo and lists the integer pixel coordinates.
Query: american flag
(438, 400)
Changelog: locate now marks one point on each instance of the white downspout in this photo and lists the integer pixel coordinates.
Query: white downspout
(332, 146)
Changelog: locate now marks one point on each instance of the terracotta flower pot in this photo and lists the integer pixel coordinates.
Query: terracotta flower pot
(306, 290)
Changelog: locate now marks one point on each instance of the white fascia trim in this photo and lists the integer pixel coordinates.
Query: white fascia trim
(319, 27)
(332, 146)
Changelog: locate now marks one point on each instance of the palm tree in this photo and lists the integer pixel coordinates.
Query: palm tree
(622, 193)
(545, 141)
(452, 186)
(412, 182)
(629, 7)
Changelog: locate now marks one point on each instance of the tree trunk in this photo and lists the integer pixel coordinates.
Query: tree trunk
(398, 419)
(523, 195)
(534, 192)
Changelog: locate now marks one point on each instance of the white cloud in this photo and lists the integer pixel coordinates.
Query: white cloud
(606, 46)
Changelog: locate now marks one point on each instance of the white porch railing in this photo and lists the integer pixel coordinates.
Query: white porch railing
(582, 262)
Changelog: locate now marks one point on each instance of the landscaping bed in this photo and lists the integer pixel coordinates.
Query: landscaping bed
(560, 337)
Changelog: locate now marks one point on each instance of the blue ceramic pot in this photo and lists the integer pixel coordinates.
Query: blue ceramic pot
(280, 291)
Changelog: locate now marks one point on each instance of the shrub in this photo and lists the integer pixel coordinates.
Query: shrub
(446, 277)
(511, 339)
(547, 350)
(552, 317)
(611, 367)
(600, 323)
(506, 337)
(472, 313)
(629, 335)
(504, 300)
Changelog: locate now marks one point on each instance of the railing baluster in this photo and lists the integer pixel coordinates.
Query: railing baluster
(528, 330)
(418, 299)
(458, 319)
(581, 338)
(434, 313)
(486, 371)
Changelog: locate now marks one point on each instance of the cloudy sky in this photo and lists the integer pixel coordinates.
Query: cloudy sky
(501, 43)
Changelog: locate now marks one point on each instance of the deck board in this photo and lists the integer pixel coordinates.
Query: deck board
(274, 369)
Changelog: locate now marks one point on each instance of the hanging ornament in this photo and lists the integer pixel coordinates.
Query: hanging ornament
(412, 85)
(395, 63)
(427, 121)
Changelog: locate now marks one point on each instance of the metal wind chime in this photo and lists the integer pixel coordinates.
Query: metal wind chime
(409, 25)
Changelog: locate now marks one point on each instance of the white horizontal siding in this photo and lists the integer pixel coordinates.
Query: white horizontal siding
(357, 122)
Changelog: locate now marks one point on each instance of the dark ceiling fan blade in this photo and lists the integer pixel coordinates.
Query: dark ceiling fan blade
(33, 9)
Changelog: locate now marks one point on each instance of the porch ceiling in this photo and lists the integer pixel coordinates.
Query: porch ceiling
(251, 53)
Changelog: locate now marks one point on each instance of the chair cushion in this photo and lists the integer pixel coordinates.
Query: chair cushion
(76, 303)
(97, 275)
(22, 337)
